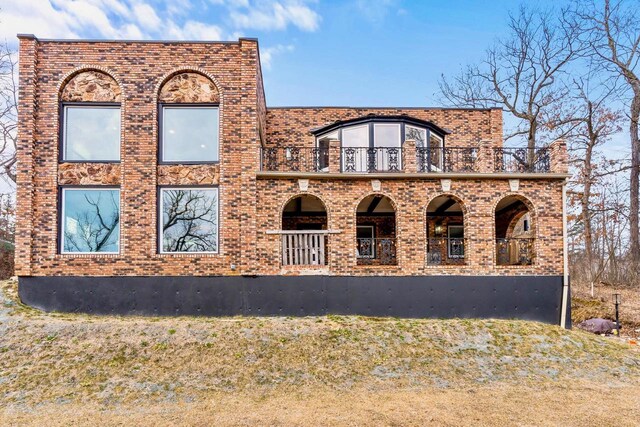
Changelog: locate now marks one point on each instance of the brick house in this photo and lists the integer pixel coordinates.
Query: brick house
(154, 179)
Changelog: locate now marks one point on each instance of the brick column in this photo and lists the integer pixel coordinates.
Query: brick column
(558, 157)
(409, 156)
(249, 143)
(26, 139)
(486, 156)
(335, 151)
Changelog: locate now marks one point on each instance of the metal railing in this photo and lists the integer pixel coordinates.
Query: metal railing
(448, 159)
(392, 159)
(445, 251)
(294, 159)
(367, 159)
(514, 251)
(381, 251)
(536, 160)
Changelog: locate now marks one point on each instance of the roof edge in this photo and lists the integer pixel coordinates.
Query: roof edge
(346, 107)
(33, 37)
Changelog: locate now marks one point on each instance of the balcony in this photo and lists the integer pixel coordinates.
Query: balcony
(522, 160)
(514, 251)
(381, 251)
(449, 159)
(445, 251)
(410, 159)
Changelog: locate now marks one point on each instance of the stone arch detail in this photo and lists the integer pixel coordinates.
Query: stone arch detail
(90, 85)
(188, 86)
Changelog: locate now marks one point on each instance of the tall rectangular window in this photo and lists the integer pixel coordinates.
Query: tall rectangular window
(90, 220)
(188, 220)
(91, 133)
(189, 134)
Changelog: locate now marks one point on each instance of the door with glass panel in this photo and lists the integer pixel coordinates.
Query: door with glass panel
(387, 147)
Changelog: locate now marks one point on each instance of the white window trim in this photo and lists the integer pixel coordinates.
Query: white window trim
(161, 221)
(65, 122)
(162, 158)
(63, 219)
(449, 227)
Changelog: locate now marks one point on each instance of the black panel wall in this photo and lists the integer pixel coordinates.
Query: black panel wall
(521, 297)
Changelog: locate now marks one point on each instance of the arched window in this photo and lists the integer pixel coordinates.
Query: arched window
(303, 235)
(445, 231)
(374, 143)
(189, 119)
(376, 231)
(515, 231)
(90, 127)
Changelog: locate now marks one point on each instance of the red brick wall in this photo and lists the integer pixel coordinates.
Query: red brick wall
(249, 206)
(292, 126)
(139, 68)
(411, 197)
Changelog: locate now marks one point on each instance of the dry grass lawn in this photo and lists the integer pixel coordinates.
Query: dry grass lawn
(61, 369)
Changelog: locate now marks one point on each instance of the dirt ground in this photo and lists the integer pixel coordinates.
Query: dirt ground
(584, 306)
(62, 369)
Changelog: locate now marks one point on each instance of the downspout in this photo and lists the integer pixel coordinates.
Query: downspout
(565, 256)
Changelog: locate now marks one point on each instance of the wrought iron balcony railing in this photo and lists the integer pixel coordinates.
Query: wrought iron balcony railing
(367, 159)
(380, 251)
(449, 159)
(514, 251)
(445, 251)
(394, 159)
(537, 160)
(295, 159)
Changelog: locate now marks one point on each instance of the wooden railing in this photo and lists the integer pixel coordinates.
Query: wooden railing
(304, 248)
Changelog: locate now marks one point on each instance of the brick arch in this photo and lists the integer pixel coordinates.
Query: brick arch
(300, 194)
(458, 199)
(377, 193)
(188, 86)
(531, 209)
(90, 84)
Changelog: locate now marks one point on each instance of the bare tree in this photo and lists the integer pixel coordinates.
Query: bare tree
(95, 230)
(519, 73)
(8, 111)
(590, 123)
(612, 33)
(189, 221)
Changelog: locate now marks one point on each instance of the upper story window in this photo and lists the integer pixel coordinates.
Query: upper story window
(189, 120)
(90, 127)
(189, 134)
(375, 143)
(91, 133)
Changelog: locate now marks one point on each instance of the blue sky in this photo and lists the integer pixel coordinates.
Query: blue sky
(314, 52)
(355, 52)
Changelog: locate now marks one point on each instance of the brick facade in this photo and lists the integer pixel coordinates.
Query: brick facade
(139, 75)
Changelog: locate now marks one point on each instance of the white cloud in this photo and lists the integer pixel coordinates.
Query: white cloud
(375, 11)
(276, 15)
(267, 54)
(153, 19)
(146, 16)
(198, 31)
(34, 17)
